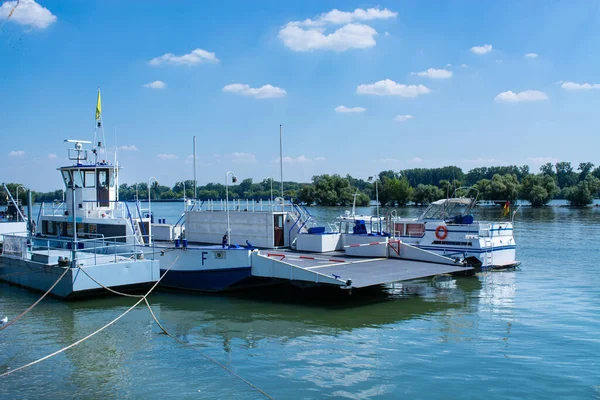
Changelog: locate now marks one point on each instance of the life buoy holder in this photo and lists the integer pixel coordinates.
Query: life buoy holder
(441, 232)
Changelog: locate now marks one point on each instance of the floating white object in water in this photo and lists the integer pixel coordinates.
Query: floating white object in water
(3, 320)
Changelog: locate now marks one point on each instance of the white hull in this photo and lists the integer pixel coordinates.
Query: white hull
(491, 243)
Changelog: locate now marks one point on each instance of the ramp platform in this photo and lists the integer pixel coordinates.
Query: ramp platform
(346, 272)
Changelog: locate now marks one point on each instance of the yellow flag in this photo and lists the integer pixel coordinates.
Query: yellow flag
(98, 106)
(506, 208)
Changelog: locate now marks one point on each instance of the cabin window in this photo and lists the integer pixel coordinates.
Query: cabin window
(111, 178)
(78, 178)
(398, 229)
(50, 227)
(68, 178)
(92, 228)
(89, 180)
(102, 178)
(415, 229)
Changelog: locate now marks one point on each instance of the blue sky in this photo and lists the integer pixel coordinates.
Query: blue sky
(359, 87)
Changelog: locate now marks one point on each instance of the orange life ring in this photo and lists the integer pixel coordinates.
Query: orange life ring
(441, 232)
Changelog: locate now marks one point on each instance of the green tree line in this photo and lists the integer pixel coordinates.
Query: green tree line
(579, 186)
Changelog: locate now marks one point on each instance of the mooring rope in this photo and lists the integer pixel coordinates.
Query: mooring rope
(142, 298)
(224, 367)
(110, 289)
(93, 333)
(34, 304)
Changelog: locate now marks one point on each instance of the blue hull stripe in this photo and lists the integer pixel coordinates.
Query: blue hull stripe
(207, 280)
(473, 231)
(463, 249)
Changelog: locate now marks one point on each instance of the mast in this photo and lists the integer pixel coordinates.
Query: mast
(116, 168)
(98, 129)
(281, 165)
(195, 184)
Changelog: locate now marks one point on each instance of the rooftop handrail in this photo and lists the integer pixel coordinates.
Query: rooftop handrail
(304, 215)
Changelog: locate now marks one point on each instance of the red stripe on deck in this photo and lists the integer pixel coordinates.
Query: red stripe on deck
(334, 260)
(276, 255)
(308, 258)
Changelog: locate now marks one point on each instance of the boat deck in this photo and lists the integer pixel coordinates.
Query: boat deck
(344, 271)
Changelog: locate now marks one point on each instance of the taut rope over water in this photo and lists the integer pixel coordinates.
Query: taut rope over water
(34, 304)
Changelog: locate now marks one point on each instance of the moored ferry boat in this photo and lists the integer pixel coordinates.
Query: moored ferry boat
(280, 244)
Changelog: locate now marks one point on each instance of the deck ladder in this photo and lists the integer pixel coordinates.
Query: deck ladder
(489, 253)
(137, 232)
(135, 227)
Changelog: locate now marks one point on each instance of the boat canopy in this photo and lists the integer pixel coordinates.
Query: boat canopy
(448, 208)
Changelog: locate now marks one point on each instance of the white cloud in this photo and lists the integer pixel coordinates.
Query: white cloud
(155, 85)
(302, 159)
(448, 65)
(435, 73)
(579, 86)
(241, 158)
(311, 34)
(403, 118)
(542, 160)
(197, 56)
(128, 148)
(52, 156)
(416, 160)
(486, 48)
(298, 160)
(165, 156)
(16, 153)
(388, 87)
(528, 95)
(338, 17)
(344, 109)
(27, 12)
(263, 92)
(464, 65)
(531, 55)
(386, 34)
(351, 36)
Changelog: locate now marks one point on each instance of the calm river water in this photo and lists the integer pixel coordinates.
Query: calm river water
(525, 334)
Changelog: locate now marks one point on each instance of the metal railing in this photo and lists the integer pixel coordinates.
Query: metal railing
(119, 211)
(245, 205)
(100, 249)
(485, 230)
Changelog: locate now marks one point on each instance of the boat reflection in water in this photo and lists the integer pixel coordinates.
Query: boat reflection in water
(288, 312)
(299, 336)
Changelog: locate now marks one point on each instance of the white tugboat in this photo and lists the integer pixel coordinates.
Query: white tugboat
(93, 235)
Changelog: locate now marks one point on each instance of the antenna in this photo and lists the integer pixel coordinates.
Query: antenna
(78, 153)
(116, 168)
(453, 180)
